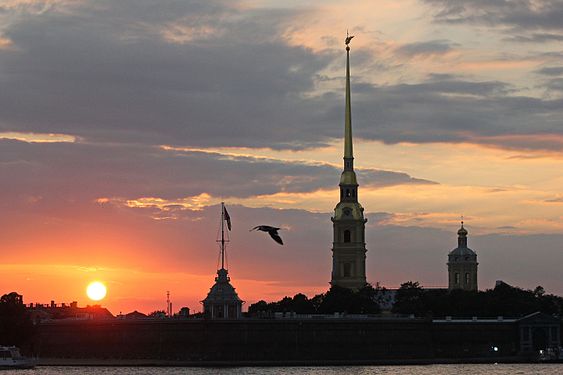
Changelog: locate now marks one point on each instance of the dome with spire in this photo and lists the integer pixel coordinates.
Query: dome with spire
(462, 264)
(462, 231)
(462, 252)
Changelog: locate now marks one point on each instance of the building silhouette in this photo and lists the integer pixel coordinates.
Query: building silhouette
(222, 301)
(349, 248)
(462, 264)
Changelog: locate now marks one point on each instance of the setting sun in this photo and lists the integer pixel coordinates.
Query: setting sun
(96, 291)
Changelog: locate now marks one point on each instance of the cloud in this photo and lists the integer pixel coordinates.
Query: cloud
(107, 73)
(194, 74)
(555, 84)
(551, 71)
(38, 138)
(519, 17)
(535, 38)
(554, 200)
(456, 110)
(137, 171)
(425, 49)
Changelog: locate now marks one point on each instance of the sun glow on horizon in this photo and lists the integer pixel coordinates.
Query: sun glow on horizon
(96, 291)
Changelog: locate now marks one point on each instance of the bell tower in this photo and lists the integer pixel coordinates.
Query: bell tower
(462, 264)
(348, 247)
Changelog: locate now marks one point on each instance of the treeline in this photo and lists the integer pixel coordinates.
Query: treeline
(337, 299)
(503, 300)
(411, 298)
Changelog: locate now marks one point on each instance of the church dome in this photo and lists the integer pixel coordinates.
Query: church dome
(462, 251)
(462, 231)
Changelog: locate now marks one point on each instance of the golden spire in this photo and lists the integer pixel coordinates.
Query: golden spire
(348, 152)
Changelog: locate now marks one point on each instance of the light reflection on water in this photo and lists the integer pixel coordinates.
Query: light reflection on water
(490, 369)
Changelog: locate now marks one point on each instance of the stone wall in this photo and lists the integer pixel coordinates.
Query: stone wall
(271, 339)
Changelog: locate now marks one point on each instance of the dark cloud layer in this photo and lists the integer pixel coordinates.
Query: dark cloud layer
(551, 70)
(430, 48)
(209, 74)
(537, 21)
(455, 110)
(105, 74)
(84, 171)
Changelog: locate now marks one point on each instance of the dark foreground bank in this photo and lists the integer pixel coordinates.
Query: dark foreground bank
(91, 362)
(293, 341)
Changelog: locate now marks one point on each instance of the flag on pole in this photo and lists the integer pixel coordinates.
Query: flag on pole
(227, 217)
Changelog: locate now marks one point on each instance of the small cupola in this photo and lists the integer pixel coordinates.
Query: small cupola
(462, 236)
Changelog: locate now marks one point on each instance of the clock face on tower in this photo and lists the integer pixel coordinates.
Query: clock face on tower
(347, 211)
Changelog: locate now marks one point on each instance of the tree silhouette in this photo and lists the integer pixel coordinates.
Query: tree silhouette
(410, 299)
(337, 299)
(15, 323)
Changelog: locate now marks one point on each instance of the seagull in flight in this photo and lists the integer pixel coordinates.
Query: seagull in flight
(272, 231)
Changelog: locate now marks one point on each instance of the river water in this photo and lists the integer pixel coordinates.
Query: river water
(490, 369)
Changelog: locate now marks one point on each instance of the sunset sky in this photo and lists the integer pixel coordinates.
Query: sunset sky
(125, 123)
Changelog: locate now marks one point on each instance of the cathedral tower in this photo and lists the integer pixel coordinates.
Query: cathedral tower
(348, 247)
(462, 264)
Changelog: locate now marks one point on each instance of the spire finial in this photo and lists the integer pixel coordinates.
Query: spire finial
(462, 221)
(348, 39)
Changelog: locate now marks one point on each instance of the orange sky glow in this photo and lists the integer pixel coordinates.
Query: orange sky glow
(112, 167)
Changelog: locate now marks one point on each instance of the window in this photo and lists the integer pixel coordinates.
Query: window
(347, 193)
(347, 269)
(467, 278)
(456, 278)
(347, 236)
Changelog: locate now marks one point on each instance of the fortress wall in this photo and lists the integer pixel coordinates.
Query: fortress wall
(269, 339)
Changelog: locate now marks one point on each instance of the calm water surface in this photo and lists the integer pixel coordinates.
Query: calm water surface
(500, 369)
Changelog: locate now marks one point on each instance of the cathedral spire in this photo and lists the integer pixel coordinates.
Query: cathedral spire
(348, 150)
(348, 246)
(348, 181)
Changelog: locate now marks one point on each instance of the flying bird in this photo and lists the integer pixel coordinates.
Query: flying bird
(272, 231)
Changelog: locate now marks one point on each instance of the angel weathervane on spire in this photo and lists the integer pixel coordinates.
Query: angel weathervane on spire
(348, 38)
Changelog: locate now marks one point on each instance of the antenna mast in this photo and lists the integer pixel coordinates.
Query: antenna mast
(168, 305)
